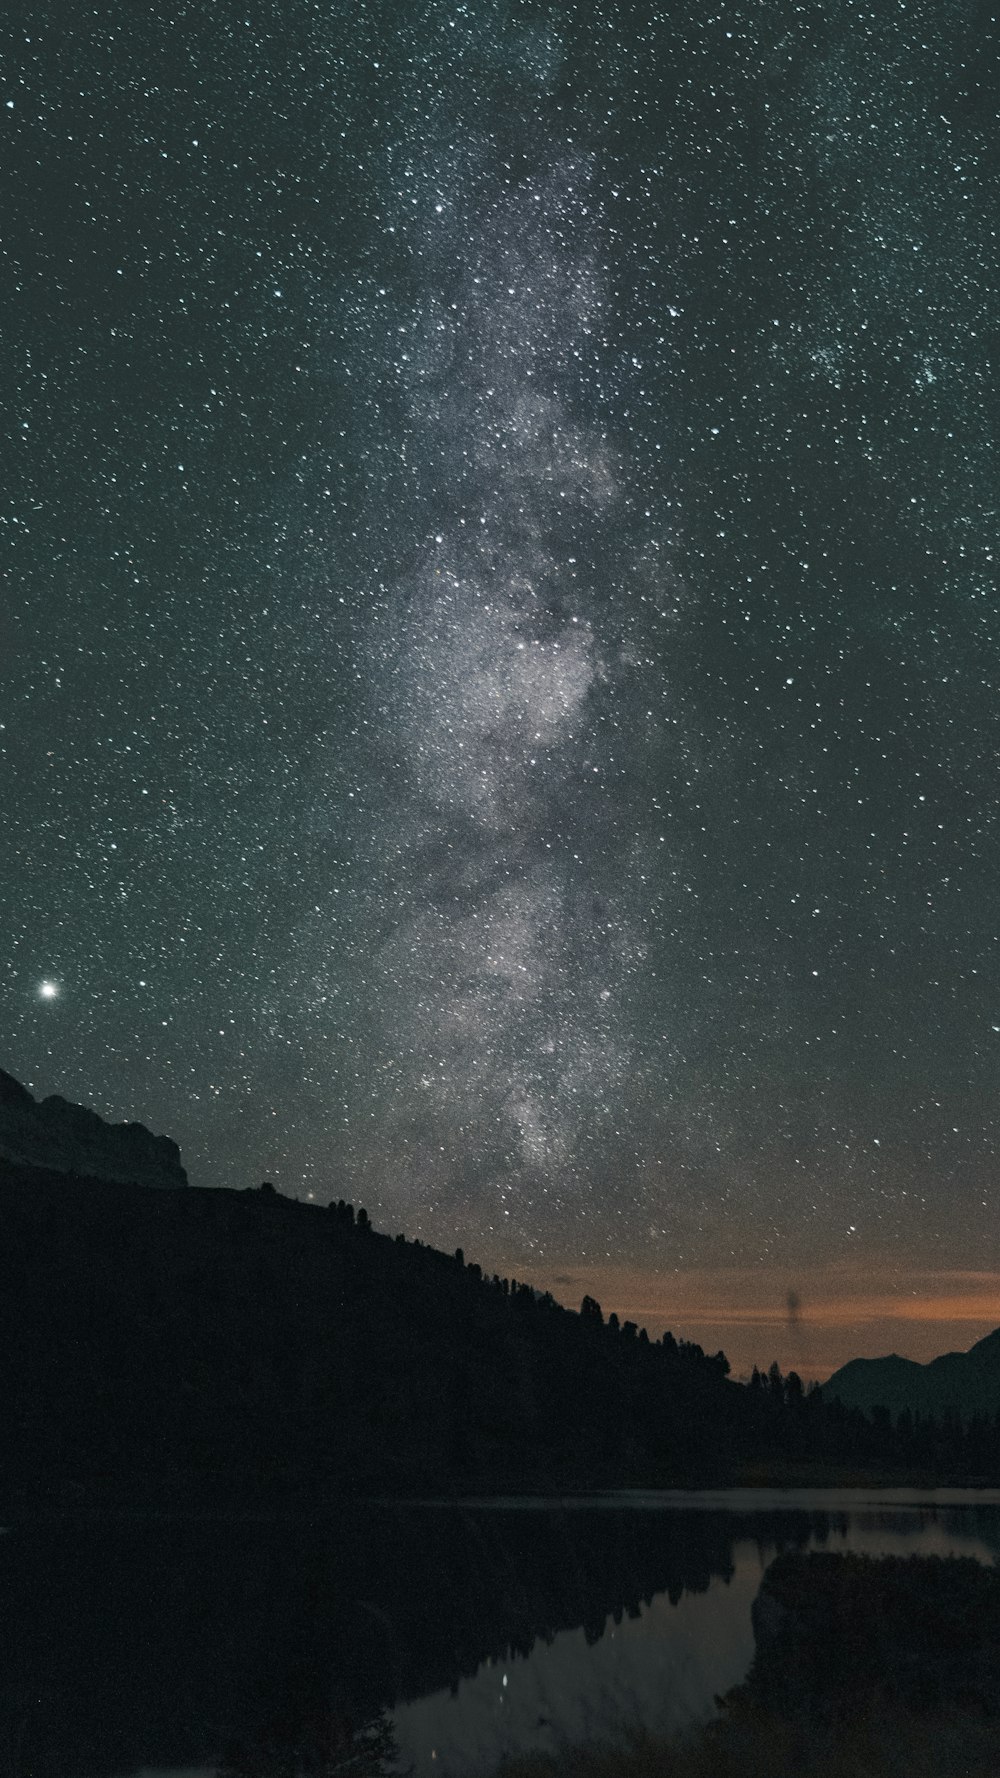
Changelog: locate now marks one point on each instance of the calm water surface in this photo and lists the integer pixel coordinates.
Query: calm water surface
(464, 1633)
(664, 1662)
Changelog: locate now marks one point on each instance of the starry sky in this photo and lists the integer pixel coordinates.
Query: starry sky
(500, 649)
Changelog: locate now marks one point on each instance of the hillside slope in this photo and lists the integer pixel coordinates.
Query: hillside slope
(244, 1340)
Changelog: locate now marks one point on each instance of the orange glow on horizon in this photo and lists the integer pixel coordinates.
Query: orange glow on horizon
(810, 1320)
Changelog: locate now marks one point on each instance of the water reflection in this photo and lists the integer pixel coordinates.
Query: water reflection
(665, 1664)
(661, 1667)
(268, 1649)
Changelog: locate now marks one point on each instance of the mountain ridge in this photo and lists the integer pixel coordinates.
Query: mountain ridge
(55, 1134)
(203, 1346)
(963, 1383)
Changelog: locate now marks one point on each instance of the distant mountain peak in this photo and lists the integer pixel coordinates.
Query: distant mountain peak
(65, 1138)
(963, 1383)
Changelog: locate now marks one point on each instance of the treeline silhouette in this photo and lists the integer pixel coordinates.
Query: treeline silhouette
(805, 1426)
(221, 1343)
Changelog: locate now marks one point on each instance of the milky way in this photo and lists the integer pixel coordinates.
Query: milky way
(500, 669)
(510, 885)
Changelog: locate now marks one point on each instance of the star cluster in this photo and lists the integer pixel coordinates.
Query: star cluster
(500, 650)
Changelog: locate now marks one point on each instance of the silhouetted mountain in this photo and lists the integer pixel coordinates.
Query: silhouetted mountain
(240, 1341)
(70, 1139)
(966, 1384)
(213, 1344)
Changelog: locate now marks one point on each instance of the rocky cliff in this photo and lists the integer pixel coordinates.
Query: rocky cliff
(65, 1138)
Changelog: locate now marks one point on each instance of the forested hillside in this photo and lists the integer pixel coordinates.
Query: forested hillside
(214, 1342)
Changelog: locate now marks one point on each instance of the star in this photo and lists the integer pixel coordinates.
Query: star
(572, 816)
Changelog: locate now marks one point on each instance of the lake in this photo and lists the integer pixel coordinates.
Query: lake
(465, 1632)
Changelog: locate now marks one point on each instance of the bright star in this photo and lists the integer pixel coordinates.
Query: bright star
(49, 990)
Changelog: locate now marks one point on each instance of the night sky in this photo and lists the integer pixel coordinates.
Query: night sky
(500, 645)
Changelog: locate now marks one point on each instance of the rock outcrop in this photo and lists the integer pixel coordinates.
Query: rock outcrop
(66, 1138)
